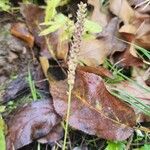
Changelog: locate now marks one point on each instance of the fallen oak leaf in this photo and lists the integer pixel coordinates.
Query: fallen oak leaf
(31, 122)
(93, 108)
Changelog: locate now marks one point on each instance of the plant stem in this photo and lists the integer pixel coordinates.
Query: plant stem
(73, 59)
(67, 117)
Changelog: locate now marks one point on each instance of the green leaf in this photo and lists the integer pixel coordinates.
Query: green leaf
(2, 109)
(58, 22)
(115, 146)
(2, 135)
(145, 147)
(92, 27)
(4, 5)
(50, 11)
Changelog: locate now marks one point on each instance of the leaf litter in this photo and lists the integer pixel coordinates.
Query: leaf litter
(124, 40)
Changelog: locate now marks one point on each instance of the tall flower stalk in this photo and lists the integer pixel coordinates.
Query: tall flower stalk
(73, 59)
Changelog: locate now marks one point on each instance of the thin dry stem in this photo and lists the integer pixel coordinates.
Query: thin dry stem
(73, 59)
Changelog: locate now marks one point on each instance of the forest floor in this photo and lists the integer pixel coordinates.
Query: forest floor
(101, 49)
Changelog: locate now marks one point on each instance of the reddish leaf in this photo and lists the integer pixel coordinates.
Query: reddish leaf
(34, 15)
(93, 109)
(99, 70)
(31, 122)
(20, 30)
(136, 25)
(126, 59)
(135, 90)
(138, 92)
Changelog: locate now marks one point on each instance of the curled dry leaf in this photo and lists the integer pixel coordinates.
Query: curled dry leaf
(138, 33)
(93, 109)
(34, 15)
(31, 122)
(94, 52)
(110, 34)
(126, 59)
(119, 7)
(20, 30)
(44, 64)
(136, 25)
(140, 6)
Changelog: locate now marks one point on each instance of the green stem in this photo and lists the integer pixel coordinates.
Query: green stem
(67, 117)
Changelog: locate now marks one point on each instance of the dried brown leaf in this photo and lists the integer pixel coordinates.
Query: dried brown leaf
(122, 9)
(20, 30)
(138, 32)
(93, 109)
(44, 64)
(53, 136)
(34, 15)
(99, 70)
(126, 59)
(97, 15)
(31, 122)
(94, 52)
(135, 90)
